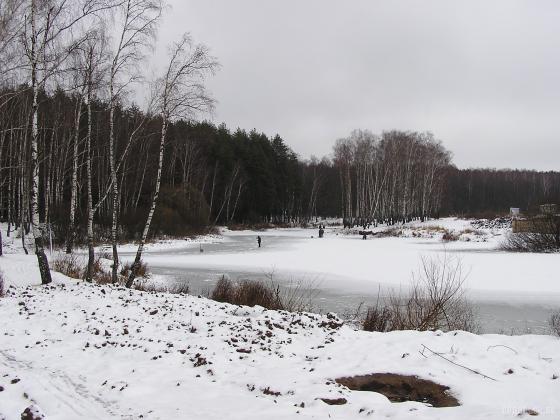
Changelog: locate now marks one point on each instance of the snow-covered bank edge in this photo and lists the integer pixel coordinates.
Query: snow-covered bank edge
(85, 351)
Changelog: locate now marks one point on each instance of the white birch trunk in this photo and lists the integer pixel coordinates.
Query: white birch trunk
(138, 258)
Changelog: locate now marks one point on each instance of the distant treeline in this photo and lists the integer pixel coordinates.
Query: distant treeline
(487, 192)
(213, 175)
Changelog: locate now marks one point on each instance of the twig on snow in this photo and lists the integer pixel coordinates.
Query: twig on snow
(502, 345)
(457, 364)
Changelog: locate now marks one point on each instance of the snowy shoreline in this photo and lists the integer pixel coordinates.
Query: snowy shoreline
(75, 350)
(84, 351)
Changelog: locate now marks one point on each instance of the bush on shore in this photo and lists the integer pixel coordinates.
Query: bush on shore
(435, 301)
(554, 323)
(75, 267)
(295, 297)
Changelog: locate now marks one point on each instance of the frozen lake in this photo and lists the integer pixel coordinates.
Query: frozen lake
(514, 293)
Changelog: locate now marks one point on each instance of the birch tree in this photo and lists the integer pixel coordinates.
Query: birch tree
(180, 93)
(48, 39)
(94, 58)
(79, 87)
(138, 26)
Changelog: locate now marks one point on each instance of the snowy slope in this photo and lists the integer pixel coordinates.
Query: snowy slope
(82, 351)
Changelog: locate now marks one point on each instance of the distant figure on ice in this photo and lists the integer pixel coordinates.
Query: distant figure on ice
(259, 240)
(321, 231)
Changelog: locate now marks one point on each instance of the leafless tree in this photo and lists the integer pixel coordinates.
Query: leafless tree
(137, 27)
(94, 58)
(11, 27)
(47, 41)
(180, 93)
(394, 177)
(435, 301)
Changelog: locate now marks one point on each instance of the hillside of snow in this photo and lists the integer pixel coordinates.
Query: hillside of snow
(74, 350)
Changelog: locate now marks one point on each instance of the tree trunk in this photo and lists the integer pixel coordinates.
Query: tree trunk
(34, 197)
(74, 182)
(138, 258)
(115, 189)
(91, 253)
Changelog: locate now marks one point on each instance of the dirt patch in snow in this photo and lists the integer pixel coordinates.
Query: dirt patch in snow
(400, 388)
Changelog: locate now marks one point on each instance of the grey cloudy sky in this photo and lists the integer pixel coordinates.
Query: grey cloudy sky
(483, 76)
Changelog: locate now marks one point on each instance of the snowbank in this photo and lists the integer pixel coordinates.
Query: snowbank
(83, 351)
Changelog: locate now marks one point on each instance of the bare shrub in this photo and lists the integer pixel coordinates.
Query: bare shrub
(543, 237)
(99, 275)
(378, 318)
(2, 285)
(435, 301)
(252, 292)
(554, 323)
(295, 297)
(450, 236)
(69, 265)
(73, 266)
(298, 296)
(179, 288)
(223, 291)
(142, 271)
(102, 277)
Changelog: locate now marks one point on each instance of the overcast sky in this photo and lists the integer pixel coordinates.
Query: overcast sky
(483, 76)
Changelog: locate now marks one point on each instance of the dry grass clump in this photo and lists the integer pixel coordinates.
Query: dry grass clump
(98, 274)
(179, 288)
(378, 318)
(450, 236)
(544, 236)
(2, 285)
(530, 242)
(141, 272)
(223, 291)
(69, 265)
(434, 229)
(435, 301)
(247, 292)
(75, 267)
(392, 232)
(295, 297)
(554, 323)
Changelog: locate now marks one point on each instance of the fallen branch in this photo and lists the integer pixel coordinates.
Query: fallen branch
(457, 364)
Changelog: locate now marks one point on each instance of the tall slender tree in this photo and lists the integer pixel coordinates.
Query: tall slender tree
(180, 93)
(138, 24)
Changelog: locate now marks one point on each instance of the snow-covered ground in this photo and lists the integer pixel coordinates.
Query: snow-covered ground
(78, 351)
(83, 351)
(164, 245)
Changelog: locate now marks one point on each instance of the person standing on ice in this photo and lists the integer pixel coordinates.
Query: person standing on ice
(259, 240)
